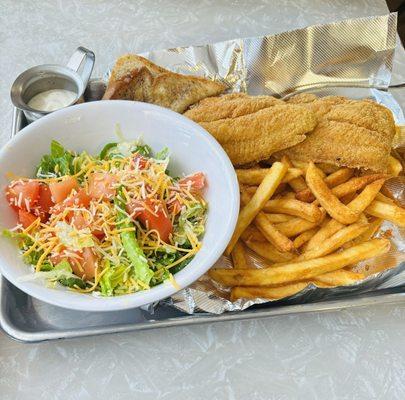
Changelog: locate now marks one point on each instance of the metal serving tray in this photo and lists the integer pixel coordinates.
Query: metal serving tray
(29, 320)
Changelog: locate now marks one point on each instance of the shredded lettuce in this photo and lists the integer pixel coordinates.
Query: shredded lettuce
(61, 272)
(124, 149)
(192, 217)
(112, 278)
(162, 154)
(73, 238)
(104, 152)
(58, 163)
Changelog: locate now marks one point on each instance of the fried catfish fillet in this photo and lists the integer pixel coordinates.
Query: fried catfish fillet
(350, 133)
(252, 128)
(231, 105)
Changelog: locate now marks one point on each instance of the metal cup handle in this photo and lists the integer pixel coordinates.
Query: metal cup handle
(82, 59)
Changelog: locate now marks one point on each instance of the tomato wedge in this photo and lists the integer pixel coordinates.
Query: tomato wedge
(196, 181)
(151, 214)
(140, 161)
(101, 185)
(174, 207)
(23, 195)
(80, 223)
(45, 201)
(25, 218)
(61, 190)
(89, 263)
(83, 266)
(78, 199)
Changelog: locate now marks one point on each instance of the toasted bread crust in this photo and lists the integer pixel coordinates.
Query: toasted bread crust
(136, 78)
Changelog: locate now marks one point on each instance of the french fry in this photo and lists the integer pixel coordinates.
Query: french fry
(304, 237)
(298, 183)
(327, 199)
(254, 176)
(388, 212)
(274, 293)
(341, 277)
(298, 164)
(359, 204)
(253, 234)
(245, 197)
(310, 212)
(256, 203)
(365, 198)
(335, 241)
(296, 226)
(328, 228)
(238, 256)
(384, 199)
(251, 190)
(332, 180)
(268, 251)
(356, 183)
(276, 218)
(394, 166)
(328, 168)
(302, 270)
(369, 233)
(272, 234)
(348, 198)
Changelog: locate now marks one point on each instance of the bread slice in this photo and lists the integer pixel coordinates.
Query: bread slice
(130, 62)
(136, 78)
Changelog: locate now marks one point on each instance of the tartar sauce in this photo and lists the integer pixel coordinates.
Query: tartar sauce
(52, 100)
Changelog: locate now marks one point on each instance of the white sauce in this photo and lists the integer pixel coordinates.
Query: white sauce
(52, 100)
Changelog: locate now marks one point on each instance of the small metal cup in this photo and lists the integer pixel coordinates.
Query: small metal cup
(74, 77)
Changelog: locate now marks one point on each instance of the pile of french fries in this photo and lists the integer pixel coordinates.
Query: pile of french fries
(310, 223)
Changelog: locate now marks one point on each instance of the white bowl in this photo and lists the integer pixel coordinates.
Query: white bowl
(89, 127)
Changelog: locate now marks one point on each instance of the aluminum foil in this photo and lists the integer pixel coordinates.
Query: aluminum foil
(351, 58)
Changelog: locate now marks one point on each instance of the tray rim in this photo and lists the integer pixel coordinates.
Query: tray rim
(382, 296)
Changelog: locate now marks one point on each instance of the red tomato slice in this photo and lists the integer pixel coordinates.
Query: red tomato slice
(45, 198)
(152, 216)
(174, 207)
(79, 199)
(80, 223)
(196, 181)
(25, 218)
(101, 185)
(83, 266)
(23, 195)
(61, 190)
(140, 161)
(89, 263)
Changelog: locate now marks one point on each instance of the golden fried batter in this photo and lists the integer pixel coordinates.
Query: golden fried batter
(350, 133)
(256, 136)
(229, 106)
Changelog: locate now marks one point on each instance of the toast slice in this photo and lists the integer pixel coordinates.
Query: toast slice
(136, 78)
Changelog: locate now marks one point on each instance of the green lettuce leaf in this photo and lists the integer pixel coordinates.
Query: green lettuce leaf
(58, 163)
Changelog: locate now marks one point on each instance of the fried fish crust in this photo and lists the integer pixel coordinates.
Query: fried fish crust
(350, 133)
(231, 105)
(256, 136)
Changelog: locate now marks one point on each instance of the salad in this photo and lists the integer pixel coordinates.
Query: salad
(111, 224)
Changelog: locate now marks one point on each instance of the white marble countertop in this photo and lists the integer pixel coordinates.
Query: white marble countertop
(354, 354)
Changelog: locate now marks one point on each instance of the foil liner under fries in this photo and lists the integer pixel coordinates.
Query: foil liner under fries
(351, 58)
